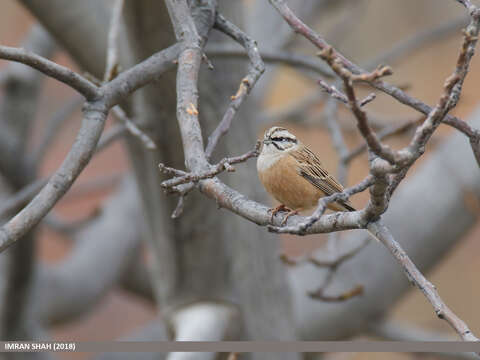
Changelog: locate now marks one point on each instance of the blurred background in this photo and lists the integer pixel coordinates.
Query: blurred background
(362, 30)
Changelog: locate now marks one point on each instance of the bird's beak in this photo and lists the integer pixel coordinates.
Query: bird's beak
(266, 142)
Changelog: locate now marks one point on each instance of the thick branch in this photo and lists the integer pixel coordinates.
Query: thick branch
(29, 191)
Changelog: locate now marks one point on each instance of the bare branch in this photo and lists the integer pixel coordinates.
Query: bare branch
(140, 75)
(49, 68)
(384, 134)
(78, 157)
(223, 165)
(133, 128)
(338, 95)
(416, 277)
(393, 91)
(255, 70)
(399, 161)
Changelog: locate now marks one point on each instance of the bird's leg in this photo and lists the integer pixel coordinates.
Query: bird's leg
(276, 210)
(290, 213)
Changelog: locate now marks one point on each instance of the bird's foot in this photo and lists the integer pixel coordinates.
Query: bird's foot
(290, 213)
(280, 208)
(274, 211)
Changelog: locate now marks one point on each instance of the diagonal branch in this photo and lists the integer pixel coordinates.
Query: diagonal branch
(255, 70)
(415, 276)
(78, 157)
(29, 191)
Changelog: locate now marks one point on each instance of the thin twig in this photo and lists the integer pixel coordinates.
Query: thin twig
(330, 56)
(225, 164)
(338, 95)
(255, 70)
(133, 128)
(298, 26)
(384, 134)
(415, 276)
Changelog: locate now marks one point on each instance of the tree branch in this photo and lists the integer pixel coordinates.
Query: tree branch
(223, 165)
(427, 288)
(255, 70)
(49, 68)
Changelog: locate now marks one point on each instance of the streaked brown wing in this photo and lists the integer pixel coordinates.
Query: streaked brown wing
(310, 167)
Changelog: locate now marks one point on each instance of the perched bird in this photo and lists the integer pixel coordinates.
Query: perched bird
(294, 175)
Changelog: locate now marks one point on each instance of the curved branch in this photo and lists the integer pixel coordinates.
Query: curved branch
(49, 68)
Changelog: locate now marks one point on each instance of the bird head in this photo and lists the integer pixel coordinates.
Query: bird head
(277, 139)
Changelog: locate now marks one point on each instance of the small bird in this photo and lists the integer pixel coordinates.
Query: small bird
(294, 175)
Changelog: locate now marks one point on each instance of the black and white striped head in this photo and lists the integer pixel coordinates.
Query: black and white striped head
(279, 139)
